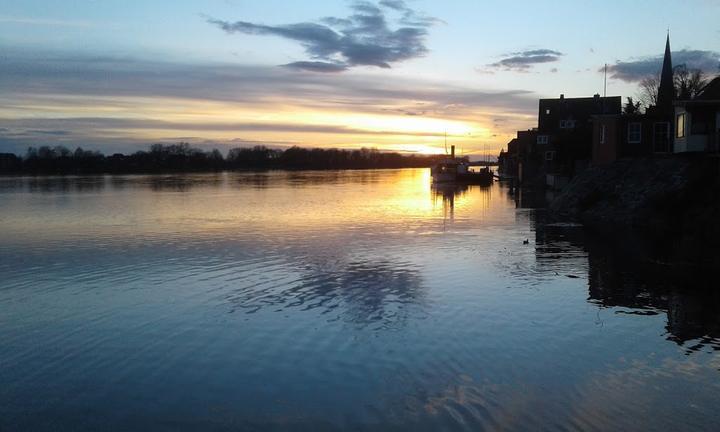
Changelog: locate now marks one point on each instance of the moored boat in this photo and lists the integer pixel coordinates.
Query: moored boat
(457, 170)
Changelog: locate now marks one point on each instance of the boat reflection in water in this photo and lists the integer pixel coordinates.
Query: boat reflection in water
(447, 193)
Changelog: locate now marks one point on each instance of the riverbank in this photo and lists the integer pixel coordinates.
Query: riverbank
(668, 206)
(183, 158)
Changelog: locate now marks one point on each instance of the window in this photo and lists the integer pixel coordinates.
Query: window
(547, 111)
(567, 124)
(680, 126)
(542, 139)
(634, 133)
(602, 134)
(549, 155)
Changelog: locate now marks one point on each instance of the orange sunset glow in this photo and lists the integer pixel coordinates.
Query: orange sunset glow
(284, 122)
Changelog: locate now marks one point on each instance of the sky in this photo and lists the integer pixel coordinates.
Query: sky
(119, 75)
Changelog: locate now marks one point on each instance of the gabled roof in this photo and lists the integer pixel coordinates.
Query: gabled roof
(710, 91)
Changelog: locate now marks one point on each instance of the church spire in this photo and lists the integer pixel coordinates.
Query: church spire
(666, 91)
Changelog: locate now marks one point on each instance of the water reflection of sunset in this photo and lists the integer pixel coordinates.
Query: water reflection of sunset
(263, 202)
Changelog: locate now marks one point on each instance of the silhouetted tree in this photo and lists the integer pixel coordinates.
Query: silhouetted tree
(184, 157)
(31, 153)
(649, 91)
(61, 151)
(631, 107)
(255, 157)
(688, 82)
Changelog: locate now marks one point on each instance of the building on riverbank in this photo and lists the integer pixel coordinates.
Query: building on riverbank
(561, 145)
(573, 133)
(522, 157)
(631, 135)
(565, 128)
(626, 135)
(697, 121)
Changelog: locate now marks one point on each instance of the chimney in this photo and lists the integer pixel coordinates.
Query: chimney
(452, 151)
(562, 96)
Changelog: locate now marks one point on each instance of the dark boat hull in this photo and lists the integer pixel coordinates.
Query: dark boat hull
(454, 172)
(474, 178)
(481, 178)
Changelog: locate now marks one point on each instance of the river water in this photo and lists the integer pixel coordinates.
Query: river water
(342, 300)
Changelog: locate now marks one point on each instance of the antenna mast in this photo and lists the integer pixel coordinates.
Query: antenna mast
(605, 84)
(604, 91)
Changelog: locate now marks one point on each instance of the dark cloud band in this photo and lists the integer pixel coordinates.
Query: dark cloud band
(30, 77)
(637, 69)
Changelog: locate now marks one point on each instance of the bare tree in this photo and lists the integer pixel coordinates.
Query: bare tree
(649, 90)
(688, 82)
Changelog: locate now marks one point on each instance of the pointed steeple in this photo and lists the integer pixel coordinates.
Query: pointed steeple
(666, 91)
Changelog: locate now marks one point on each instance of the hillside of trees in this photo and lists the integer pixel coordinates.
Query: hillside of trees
(183, 157)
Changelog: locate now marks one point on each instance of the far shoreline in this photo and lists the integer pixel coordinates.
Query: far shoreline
(184, 172)
(183, 158)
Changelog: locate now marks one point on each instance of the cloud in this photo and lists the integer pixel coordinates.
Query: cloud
(410, 16)
(365, 38)
(523, 61)
(398, 5)
(635, 70)
(318, 66)
(48, 132)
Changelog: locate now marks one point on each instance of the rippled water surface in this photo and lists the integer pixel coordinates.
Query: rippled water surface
(357, 300)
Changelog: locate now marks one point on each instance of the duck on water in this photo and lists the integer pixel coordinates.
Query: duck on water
(457, 170)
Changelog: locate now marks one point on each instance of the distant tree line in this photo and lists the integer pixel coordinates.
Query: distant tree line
(183, 157)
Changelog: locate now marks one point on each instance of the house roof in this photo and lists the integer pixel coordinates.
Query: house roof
(551, 111)
(711, 91)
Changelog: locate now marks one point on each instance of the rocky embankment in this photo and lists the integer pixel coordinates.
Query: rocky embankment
(672, 204)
